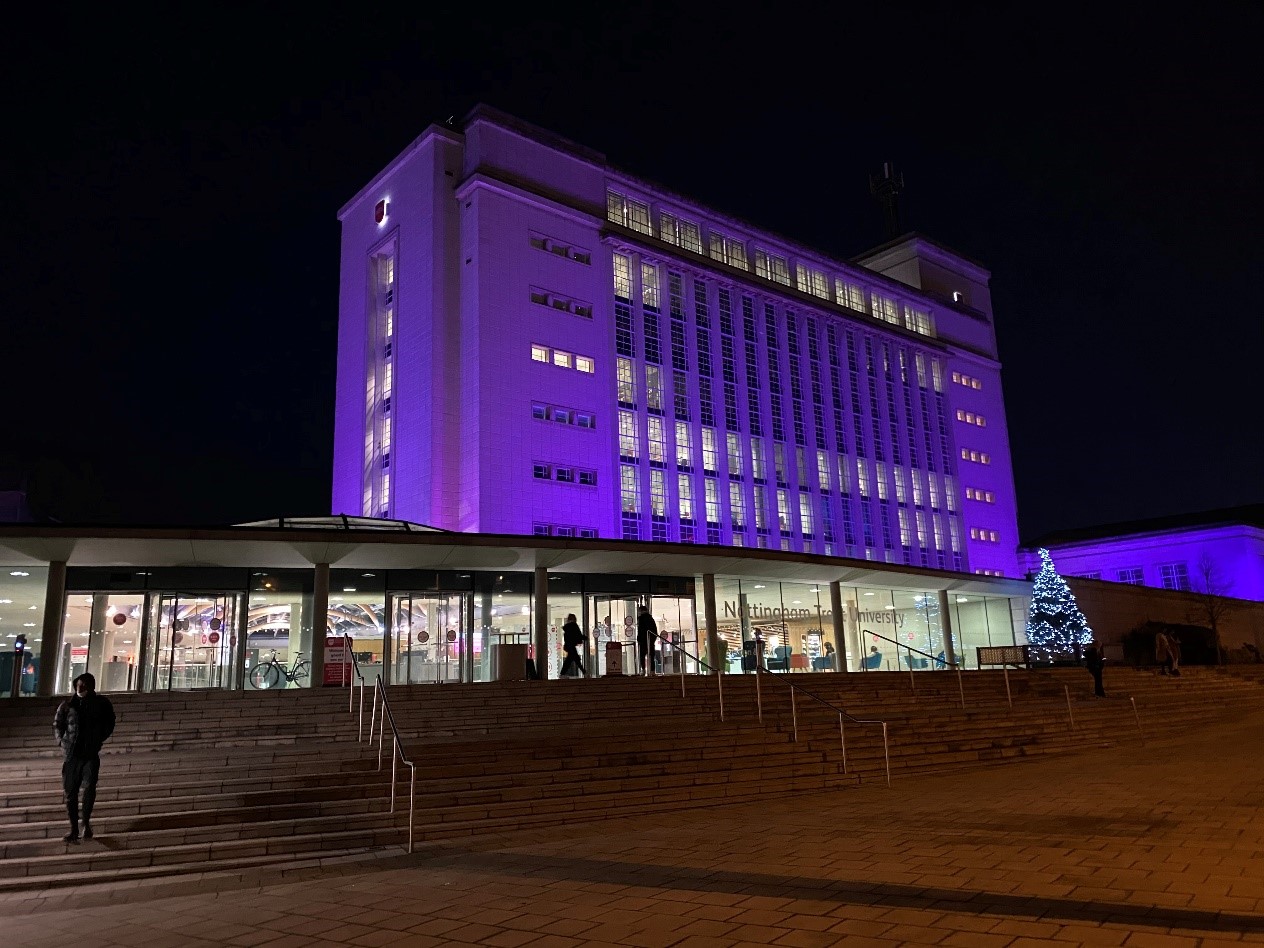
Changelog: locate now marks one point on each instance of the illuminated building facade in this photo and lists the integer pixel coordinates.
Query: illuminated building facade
(534, 342)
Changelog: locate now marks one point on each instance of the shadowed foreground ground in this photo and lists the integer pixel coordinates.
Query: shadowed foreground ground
(1157, 845)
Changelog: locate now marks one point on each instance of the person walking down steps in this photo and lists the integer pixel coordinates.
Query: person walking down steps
(82, 724)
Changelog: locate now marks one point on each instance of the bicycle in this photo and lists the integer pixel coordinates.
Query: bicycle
(269, 674)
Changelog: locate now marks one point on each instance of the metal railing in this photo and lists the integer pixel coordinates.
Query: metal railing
(397, 753)
(351, 685)
(932, 661)
(760, 668)
(685, 654)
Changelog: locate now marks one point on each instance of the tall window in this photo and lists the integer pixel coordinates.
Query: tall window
(378, 389)
(806, 515)
(737, 506)
(759, 459)
(628, 449)
(627, 382)
(684, 487)
(734, 441)
(684, 446)
(653, 388)
(657, 440)
(649, 285)
(708, 450)
(623, 277)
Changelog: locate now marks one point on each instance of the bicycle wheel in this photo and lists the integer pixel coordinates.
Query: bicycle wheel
(299, 676)
(265, 676)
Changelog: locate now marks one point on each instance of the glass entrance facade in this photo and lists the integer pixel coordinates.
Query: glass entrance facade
(168, 628)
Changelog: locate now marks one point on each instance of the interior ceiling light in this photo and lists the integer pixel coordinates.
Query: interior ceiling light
(18, 572)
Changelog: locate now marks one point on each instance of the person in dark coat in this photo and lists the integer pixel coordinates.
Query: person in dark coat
(1093, 661)
(646, 640)
(82, 724)
(572, 638)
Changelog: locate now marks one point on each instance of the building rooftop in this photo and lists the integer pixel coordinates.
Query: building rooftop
(1250, 515)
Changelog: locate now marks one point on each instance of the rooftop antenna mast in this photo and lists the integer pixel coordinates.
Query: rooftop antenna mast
(886, 189)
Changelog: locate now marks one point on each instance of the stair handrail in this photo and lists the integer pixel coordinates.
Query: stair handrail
(351, 685)
(935, 659)
(842, 714)
(719, 675)
(397, 754)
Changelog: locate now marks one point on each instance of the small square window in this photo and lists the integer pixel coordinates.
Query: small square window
(565, 532)
(581, 256)
(565, 474)
(562, 358)
(541, 471)
(588, 478)
(540, 529)
(539, 354)
(539, 411)
(539, 296)
(587, 533)
(562, 415)
(585, 420)
(584, 364)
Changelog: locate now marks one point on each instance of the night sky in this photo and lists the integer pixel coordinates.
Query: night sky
(170, 264)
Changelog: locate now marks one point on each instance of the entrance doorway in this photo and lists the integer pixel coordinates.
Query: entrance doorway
(614, 620)
(431, 638)
(194, 639)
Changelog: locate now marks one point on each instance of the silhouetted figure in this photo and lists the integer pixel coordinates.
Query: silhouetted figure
(646, 639)
(572, 638)
(1093, 661)
(82, 724)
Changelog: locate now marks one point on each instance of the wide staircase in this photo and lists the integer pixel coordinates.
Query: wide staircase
(271, 782)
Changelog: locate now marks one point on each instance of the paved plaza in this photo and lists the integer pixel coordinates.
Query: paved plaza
(1139, 846)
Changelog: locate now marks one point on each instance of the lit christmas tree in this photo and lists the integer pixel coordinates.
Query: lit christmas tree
(1055, 624)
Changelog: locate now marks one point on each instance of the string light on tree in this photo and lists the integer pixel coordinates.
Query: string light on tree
(1055, 625)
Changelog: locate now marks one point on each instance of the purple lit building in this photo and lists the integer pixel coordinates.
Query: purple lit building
(532, 341)
(1217, 551)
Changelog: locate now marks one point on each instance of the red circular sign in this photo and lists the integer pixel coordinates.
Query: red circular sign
(423, 636)
(451, 635)
(213, 638)
(119, 618)
(215, 624)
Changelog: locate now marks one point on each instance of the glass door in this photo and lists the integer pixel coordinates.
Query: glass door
(103, 635)
(194, 638)
(614, 621)
(677, 624)
(429, 639)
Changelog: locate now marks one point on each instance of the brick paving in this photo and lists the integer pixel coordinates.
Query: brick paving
(1135, 846)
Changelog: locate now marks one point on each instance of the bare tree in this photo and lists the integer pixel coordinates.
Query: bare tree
(1213, 602)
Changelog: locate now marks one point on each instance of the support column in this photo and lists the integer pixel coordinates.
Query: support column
(945, 621)
(320, 622)
(54, 622)
(840, 630)
(542, 622)
(713, 626)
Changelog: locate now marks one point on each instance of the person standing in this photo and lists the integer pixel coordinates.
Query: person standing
(1174, 654)
(646, 640)
(82, 724)
(1093, 661)
(572, 638)
(1163, 652)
